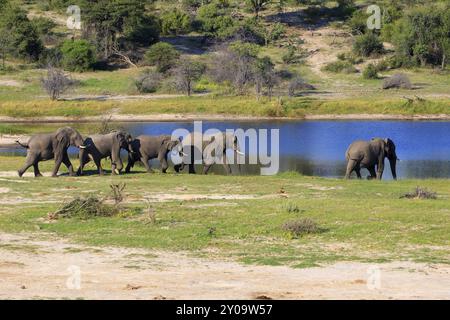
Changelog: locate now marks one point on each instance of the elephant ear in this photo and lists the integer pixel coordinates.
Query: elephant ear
(62, 141)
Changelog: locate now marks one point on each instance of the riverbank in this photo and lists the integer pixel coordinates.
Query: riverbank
(218, 117)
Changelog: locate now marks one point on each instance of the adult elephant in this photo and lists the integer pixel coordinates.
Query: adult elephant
(371, 154)
(146, 148)
(208, 142)
(101, 146)
(42, 147)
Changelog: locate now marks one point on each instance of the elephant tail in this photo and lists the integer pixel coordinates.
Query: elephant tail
(26, 146)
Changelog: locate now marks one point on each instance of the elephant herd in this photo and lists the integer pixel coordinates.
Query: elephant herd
(41, 147)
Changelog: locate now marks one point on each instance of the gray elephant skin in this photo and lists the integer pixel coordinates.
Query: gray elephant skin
(146, 148)
(43, 147)
(101, 146)
(371, 155)
(228, 141)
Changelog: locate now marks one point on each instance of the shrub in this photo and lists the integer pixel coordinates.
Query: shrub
(175, 22)
(290, 57)
(77, 55)
(420, 193)
(55, 83)
(370, 72)
(148, 82)
(340, 67)
(298, 84)
(43, 25)
(297, 228)
(162, 55)
(85, 208)
(368, 44)
(398, 80)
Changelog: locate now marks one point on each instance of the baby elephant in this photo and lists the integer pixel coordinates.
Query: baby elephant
(101, 146)
(146, 148)
(42, 147)
(371, 154)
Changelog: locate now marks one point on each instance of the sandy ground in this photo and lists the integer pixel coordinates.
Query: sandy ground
(54, 268)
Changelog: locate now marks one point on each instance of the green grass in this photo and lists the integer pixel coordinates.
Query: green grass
(361, 220)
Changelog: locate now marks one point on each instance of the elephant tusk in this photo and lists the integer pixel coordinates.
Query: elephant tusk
(83, 147)
(117, 171)
(240, 153)
(183, 154)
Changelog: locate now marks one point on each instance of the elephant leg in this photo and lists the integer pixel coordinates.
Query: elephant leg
(37, 173)
(164, 164)
(178, 167)
(358, 171)
(24, 168)
(84, 159)
(58, 162)
(350, 167)
(206, 168)
(98, 164)
(69, 165)
(373, 174)
(130, 163)
(145, 162)
(226, 165)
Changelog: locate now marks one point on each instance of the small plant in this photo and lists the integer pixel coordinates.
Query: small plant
(290, 57)
(117, 192)
(151, 214)
(297, 228)
(212, 231)
(340, 67)
(397, 81)
(293, 208)
(420, 193)
(370, 72)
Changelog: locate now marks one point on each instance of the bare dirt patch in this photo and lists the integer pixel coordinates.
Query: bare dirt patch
(119, 273)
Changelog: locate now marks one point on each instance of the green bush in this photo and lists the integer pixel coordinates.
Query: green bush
(367, 44)
(175, 22)
(215, 19)
(370, 72)
(77, 55)
(162, 55)
(340, 67)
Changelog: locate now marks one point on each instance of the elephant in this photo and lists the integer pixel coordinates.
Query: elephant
(368, 154)
(42, 147)
(101, 146)
(146, 148)
(227, 141)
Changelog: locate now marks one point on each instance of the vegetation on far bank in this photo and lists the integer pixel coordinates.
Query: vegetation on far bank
(290, 57)
(287, 219)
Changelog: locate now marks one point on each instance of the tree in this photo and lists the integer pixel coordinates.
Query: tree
(23, 40)
(77, 55)
(186, 73)
(5, 42)
(105, 21)
(162, 55)
(257, 6)
(55, 83)
(175, 22)
(422, 36)
(264, 76)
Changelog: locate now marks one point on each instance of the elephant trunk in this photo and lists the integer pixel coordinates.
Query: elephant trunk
(393, 163)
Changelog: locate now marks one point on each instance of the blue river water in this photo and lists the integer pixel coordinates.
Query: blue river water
(318, 147)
